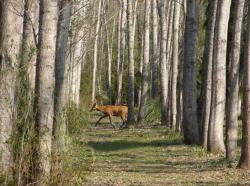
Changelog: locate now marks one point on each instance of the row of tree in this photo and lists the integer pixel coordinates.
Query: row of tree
(42, 51)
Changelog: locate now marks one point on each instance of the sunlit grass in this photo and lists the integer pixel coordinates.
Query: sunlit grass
(153, 155)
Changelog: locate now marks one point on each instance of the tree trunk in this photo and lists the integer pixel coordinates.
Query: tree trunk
(10, 45)
(207, 71)
(175, 62)
(155, 48)
(122, 51)
(163, 61)
(78, 49)
(109, 48)
(179, 121)
(61, 84)
(217, 113)
(95, 51)
(245, 148)
(233, 100)
(170, 35)
(190, 124)
(140, 71)
(145, 69)
(30, 29)
(45, 83)
(130, 26)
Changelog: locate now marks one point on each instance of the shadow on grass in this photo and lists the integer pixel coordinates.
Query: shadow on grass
(106, 146)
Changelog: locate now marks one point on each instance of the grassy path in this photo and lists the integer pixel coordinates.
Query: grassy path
(152, 156)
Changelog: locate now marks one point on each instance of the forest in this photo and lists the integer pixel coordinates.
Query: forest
(124, 92)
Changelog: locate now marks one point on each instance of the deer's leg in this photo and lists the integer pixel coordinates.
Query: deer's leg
(123, 122)
(110, 119)
(104, 116)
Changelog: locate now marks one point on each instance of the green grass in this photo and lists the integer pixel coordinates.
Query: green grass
(150, 156)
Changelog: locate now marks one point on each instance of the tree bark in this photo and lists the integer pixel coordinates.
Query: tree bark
(175, 62)
(233, 79)
(163, 61)
(207, 71)
(131, 75)
(95, 51)
(140, 71)
(122, 51)
(215, 139)
(10, 46)
(155, 48)
(78, 49)
(190, 124)
(45, 83)
(30, 29)
(61, 84)
(244, 162)
(145, 69)
(109, 66)
(179, 121)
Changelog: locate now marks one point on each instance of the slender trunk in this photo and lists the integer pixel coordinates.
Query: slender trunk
(179, 121)
(217, 113)
(130, 26)
(109, 90)
(245, 148)
(155, 59)
(61, 84)
(233, 100)
(95, 51)
(163, 61)
(140, 71)
(45, 83)
(122, 50)
(145, 69)
(78, 49)
(170, 33)
(30, 29)
(10, 46)
(190, 124)
(207, 71)
(119, 52)
(175, 62)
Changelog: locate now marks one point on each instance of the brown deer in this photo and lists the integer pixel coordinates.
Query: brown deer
(112, 110)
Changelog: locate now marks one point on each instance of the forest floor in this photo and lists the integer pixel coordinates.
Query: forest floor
(153, 155)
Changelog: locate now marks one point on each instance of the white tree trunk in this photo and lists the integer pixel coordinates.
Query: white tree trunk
(163, 61)
(122, 50)
(207, 72)
(145, 69)
(175, 63)
(217, 113)
(45, 87)
(78, 49)
(233, 100)
(61, 83)
(155, 47)
(131, 75)
(109, 51)
(10, 45)
(30, 30)
(140, 71)
(95, 51)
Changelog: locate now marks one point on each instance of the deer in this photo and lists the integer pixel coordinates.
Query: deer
(111, 110)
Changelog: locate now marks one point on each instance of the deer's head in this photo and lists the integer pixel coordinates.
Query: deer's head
(93, 107)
